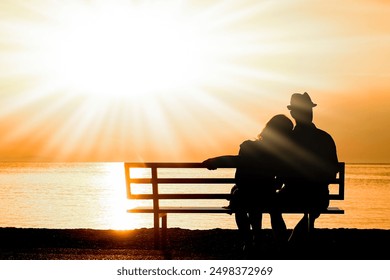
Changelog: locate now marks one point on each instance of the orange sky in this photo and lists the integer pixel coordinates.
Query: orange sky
(187, 80)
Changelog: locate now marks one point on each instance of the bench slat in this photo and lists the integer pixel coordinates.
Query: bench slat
(178, 209)
(182, 196)
(182, 180)
(196, 196)
(195, 181)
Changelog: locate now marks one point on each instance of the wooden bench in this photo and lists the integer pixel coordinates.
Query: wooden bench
(183, 174)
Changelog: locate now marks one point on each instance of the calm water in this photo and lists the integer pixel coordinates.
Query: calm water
(93, 195)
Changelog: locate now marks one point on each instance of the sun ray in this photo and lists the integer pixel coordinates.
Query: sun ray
(75, 130)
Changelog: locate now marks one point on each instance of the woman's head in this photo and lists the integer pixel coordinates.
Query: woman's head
(277, 126)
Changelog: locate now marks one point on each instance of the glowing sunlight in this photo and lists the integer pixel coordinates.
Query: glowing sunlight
(150, 80)
(124, 50)
(120, 48)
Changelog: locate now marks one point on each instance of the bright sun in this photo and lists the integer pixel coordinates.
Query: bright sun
(124, 50)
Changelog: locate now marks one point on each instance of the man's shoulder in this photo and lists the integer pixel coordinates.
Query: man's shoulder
(324, 134)
(321, 131)
(324, 138)
(318, 131)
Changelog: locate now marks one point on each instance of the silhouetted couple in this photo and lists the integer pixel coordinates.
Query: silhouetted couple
(286, 167)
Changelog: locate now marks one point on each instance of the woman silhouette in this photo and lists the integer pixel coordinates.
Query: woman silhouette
(259, 164)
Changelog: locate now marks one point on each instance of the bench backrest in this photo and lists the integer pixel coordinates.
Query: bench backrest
(154, 179)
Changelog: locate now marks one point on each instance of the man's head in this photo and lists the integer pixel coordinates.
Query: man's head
(301, 107)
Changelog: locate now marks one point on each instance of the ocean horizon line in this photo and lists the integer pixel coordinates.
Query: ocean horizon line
(118, 161)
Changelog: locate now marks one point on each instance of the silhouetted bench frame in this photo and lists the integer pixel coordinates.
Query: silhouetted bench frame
(161, 212)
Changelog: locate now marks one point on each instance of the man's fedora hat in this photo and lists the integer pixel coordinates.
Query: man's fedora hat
(301, 101)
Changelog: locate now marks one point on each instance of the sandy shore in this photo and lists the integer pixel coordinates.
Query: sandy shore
(216, 244)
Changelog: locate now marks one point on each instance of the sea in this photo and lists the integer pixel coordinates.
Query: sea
(93, 195)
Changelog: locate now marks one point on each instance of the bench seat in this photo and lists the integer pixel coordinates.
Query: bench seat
(170, 209)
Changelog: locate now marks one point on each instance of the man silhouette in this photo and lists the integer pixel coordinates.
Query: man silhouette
(312, 162)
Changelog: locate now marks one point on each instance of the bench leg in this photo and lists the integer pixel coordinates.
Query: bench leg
(156, 220)
(164, 224)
